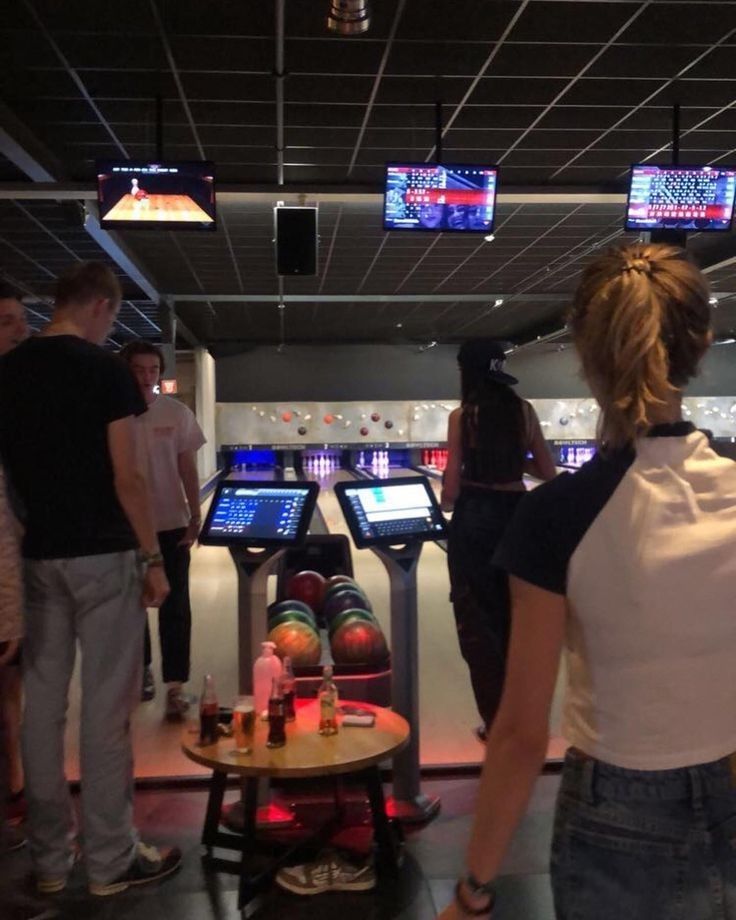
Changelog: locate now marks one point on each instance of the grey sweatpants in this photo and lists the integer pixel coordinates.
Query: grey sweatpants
(94, 601)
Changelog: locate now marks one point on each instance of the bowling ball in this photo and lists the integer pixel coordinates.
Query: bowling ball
(376, 416)
(286, 416)
(333, 588)
(364, 431)
(283, 606)
(297, 640)
(347, 616)
(292, 616)
(302, 430)
(347, 599)
(307, 586)
(339, 580)
(388, 423)
(329, 419)
(359, 642)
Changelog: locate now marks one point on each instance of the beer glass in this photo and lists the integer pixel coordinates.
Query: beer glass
(244, 723)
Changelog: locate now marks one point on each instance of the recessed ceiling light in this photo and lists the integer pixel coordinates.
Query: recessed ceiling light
(399, 325)
(490, 237)
(498, 302)
(713, 301)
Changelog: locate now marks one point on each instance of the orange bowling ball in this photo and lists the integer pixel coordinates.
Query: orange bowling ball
(329, 419)
(286, 416)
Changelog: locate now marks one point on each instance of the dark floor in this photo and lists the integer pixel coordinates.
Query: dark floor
(434, 858)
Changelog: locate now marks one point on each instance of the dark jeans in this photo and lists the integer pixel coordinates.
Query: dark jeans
(480, 591)
(175, 614)
(645, 845)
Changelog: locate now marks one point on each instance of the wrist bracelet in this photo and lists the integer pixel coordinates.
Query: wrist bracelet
(151, 558)
(473, 911)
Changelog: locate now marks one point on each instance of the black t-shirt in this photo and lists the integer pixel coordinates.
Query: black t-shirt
(58, 394)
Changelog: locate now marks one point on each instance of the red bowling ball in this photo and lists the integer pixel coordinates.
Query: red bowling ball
(307, 586)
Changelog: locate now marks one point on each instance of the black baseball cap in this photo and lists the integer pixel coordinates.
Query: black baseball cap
(487, 355)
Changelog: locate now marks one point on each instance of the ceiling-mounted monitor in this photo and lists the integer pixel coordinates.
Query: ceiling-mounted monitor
(443, 198)
(135, 194)
(690, 198)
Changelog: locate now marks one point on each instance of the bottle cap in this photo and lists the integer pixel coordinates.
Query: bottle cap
(327, 672)
(268, 648)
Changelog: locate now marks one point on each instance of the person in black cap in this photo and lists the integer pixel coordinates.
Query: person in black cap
(489, 439)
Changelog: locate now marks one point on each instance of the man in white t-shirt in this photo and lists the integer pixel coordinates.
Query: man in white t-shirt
(169, 440)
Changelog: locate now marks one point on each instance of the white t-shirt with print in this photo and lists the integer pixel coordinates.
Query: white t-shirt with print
(167, 429)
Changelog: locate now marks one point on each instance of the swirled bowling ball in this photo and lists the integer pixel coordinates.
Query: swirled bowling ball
(286, 416)
(364, 431)
(302, 430)
(349, 599)
(339, 580)
(358, 641)
(376, 416)
(288, 606)
(307, 586)
(297, 640)
(329, 419)
(388, 423)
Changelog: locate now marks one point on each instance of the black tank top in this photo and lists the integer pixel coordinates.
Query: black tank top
(494, 466)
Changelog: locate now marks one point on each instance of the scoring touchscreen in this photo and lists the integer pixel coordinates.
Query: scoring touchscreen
(394, 510)
(257, 513)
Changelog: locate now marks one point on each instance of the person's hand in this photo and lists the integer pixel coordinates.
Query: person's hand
(190, 535)
(8, 651)
(155, 586)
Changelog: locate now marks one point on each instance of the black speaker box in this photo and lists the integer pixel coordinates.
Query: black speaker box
(296, 241)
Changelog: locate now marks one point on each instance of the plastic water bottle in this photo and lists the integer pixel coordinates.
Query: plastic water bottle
(266, 668)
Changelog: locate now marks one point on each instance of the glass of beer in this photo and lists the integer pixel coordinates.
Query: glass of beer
(244, 723)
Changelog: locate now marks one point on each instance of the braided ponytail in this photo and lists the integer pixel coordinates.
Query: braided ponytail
(640, 321)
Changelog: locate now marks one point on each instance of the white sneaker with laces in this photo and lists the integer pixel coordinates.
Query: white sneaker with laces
(329, 872)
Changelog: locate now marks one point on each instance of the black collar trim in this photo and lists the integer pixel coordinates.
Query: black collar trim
(671, 430)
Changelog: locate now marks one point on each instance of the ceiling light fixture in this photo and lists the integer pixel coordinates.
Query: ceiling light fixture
(498, 302)
(713, 301)
(349, 17)
(489, 237)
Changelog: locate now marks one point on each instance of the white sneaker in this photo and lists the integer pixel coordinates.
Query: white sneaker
(329, 872)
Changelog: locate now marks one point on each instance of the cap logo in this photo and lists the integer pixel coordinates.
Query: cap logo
(496, 365)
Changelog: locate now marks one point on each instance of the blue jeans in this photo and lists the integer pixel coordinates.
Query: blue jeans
(645, 845)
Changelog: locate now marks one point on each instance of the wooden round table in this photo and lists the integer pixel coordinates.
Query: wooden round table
(353, 750)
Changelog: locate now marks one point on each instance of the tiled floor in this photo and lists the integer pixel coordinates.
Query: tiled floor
(434, 857)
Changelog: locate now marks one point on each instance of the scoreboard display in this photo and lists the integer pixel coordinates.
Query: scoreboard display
(694, 198)
(441, 198)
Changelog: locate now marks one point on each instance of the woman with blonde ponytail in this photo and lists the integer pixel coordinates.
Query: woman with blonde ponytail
(629, 567)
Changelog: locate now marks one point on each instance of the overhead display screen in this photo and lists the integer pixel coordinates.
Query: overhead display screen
(440, 198)
(695, 198)
(172, 196)
(259, 514)
(391, 511)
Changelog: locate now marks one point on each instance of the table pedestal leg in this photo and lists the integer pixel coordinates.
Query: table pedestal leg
(214, 809)
(387, 833)
(246, 888)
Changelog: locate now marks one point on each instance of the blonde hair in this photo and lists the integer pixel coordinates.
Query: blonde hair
(641, 322)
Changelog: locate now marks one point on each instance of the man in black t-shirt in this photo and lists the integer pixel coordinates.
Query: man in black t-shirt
(67, 411)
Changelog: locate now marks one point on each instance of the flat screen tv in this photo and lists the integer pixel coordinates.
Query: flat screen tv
(166, 195)
(694, 198)
(446, 198)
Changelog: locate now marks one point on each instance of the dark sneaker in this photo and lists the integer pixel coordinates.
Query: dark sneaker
(148, 690)
(149, 865)
(11, 839)
(329, 872)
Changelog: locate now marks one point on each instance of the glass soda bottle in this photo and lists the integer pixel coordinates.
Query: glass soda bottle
(208, 712)
(276, 716)
(327, 704)
(288, 685)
